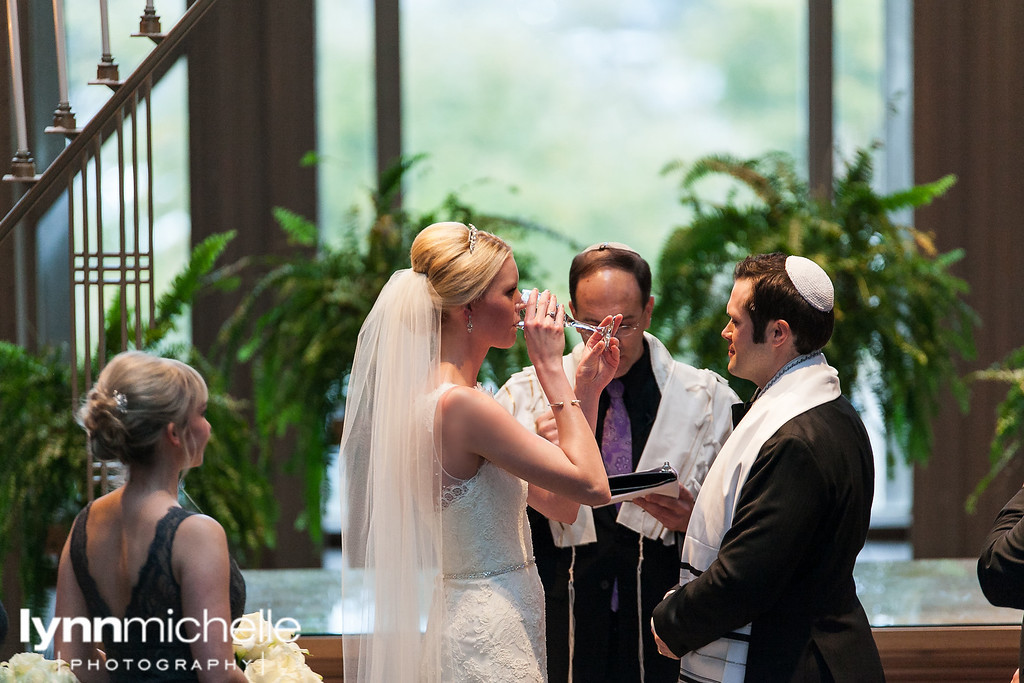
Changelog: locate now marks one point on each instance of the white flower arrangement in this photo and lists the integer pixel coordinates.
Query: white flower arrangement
(270, 654)
(32, 667)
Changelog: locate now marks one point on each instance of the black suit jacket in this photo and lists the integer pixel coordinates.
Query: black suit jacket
(1001, 565)
(786, 564)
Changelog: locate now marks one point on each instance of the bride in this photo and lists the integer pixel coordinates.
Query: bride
(438, 475)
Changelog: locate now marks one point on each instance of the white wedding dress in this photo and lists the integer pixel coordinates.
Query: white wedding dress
(487, 616)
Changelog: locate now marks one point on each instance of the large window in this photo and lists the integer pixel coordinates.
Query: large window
(345, 135)
(566, 112)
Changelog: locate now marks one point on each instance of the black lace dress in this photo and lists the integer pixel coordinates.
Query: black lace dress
(151, 650)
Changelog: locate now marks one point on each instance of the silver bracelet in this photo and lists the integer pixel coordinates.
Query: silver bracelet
(561, 404)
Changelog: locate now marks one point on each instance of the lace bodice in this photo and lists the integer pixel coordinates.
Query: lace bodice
(485, 525)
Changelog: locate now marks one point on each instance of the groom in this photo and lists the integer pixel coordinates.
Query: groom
(767, 590)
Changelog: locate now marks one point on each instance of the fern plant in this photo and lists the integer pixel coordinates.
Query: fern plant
(1009, 430)
(902, 321)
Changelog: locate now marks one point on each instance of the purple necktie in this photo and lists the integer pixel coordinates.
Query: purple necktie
(616, 439)
(616, 447)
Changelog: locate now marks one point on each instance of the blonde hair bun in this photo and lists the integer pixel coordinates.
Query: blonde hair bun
(441, 251)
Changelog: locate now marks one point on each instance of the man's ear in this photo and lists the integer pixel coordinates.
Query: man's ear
(648, 311)
(572, 308)
(779, 333)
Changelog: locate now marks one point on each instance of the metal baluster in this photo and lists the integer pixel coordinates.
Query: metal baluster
(149, 23)
(106, 70)
(23, 166)
(63, 117)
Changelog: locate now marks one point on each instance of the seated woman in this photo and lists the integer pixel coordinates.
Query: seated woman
(134, 556)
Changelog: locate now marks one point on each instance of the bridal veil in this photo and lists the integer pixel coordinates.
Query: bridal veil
(391, 535)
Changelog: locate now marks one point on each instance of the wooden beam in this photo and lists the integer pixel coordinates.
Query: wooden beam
(819, 97)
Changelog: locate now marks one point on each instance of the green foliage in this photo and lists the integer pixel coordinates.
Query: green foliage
(186, 286)
(901, 318)
(231, 487)
(1009, 422)
(297, 327)
(301, 230)
(43, 481)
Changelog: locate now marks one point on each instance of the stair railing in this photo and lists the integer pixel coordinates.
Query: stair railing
(104, 261)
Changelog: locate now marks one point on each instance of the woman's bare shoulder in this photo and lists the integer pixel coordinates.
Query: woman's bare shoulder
(200, 531)
(201, 525)
(467, 399)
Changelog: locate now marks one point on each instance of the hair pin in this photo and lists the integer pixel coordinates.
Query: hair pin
(122, 402)
(472, 236)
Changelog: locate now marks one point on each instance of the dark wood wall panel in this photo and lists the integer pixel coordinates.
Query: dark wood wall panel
(9, 195)
(968, 104)
(252, 111)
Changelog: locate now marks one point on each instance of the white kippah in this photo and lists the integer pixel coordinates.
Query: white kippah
(812, 282)
(601, 246)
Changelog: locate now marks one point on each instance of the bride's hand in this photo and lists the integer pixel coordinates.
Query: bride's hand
(600, 361)
(544, 328)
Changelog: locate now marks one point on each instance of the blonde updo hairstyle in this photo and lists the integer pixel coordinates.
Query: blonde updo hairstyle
(134, 399)
(458, 276)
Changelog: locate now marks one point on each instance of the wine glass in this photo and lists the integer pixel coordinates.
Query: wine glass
(604, 330)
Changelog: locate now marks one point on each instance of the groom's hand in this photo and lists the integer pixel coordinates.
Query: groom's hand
(662, 647)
